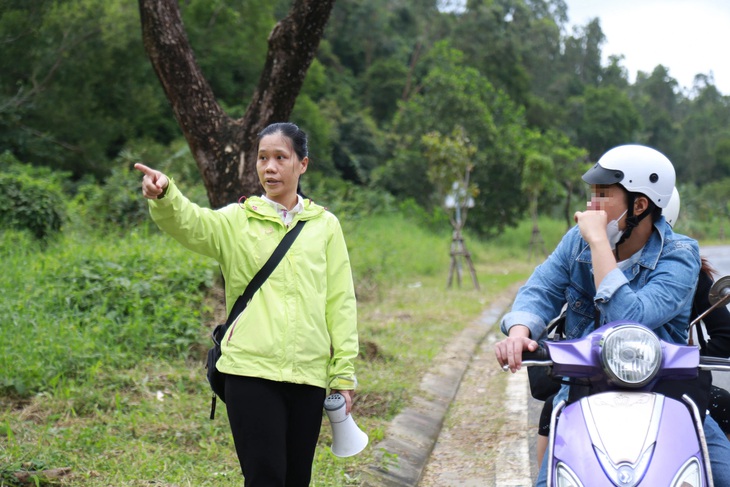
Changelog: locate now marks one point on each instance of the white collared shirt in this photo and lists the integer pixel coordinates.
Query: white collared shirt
(286, 215)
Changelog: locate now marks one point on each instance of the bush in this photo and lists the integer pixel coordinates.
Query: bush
(30, 198)
(118, 202)
(101, 301)
(345, 199)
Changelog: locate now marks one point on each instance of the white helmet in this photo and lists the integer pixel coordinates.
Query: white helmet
(637, 168)
(671, 211)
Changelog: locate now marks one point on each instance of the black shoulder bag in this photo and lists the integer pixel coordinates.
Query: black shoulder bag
(217, 379)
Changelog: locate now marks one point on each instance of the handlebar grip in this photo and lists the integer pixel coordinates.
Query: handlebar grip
(541, 354)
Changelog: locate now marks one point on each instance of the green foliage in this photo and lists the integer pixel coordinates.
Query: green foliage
(704, 131)
(118, 204)
(705, 211)
(92, 301)
(345, 199)
(80, 85)
(30, 199)
(77, 90)
(454, 95)
(491, 35)
(319, 128)
(449, 162)
(657, 100)
(384, 83)
(605, 118)
(391, 247)
(514, 243)
(229, 39)
(344, 139)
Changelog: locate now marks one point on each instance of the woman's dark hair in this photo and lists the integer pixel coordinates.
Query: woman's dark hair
(653, 210)
(289, 130)
(297, 137)
(707, 267)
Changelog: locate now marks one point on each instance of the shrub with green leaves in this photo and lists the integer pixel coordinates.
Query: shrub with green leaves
(30, 199)
(118, 202)
(102, 302)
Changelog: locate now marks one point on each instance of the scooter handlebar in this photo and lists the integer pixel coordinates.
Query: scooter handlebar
(714, 363)
(540, 357)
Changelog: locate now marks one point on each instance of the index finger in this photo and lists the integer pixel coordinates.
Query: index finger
(148, 171)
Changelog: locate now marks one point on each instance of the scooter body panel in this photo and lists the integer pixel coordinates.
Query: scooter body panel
(625, 439)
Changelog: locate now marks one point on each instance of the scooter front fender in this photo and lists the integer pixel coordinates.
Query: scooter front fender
(625, 438)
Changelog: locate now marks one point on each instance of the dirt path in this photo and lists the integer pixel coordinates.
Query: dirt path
(469, 424)
(484, 439)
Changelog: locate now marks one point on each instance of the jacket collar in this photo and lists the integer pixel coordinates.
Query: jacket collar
(260, 207)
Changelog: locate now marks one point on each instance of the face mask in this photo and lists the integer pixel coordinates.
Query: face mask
(614, 234)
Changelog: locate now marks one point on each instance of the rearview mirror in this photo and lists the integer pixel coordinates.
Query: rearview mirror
(720, 291)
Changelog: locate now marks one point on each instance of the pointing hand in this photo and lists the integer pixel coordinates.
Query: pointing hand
(154, 183)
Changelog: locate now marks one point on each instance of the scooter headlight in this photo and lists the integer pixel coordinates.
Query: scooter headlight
(631, 355)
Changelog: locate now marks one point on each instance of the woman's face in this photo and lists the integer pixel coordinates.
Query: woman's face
(609, 198)
(279, 168)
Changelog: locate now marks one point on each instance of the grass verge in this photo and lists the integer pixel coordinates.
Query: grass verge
(90, 387)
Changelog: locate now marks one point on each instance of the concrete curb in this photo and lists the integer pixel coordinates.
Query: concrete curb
(411, 436)
(513, 455)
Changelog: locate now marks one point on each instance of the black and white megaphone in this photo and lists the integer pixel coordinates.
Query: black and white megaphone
(347, 438)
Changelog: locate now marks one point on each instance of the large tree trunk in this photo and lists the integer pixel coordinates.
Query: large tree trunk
(224, 147)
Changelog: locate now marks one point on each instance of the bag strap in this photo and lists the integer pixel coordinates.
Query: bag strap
(264, 272)
(558, 325)
(256, 282)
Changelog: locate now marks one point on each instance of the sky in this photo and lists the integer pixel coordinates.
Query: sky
(686, 36)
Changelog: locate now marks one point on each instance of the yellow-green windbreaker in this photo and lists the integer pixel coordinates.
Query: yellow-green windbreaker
(301, 325)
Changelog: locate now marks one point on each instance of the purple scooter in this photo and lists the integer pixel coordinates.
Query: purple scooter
(625, 433)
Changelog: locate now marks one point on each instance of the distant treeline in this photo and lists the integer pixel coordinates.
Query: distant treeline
(506, 81)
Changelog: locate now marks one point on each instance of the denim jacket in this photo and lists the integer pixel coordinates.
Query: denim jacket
(657, 290)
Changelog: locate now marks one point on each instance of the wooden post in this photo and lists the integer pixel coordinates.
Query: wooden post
(460, 201)
(536, 240)
(459, 251)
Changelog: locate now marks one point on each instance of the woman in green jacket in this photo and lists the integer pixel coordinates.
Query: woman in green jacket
(298, 335)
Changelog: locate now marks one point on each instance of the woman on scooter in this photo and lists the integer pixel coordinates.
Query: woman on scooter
(717, 324)
(621, 261)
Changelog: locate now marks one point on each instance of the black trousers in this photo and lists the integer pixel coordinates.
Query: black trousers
(275, 427)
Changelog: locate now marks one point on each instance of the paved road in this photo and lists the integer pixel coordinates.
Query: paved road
(719, 257)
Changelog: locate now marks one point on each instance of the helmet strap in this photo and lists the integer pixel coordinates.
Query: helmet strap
(632, 221)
